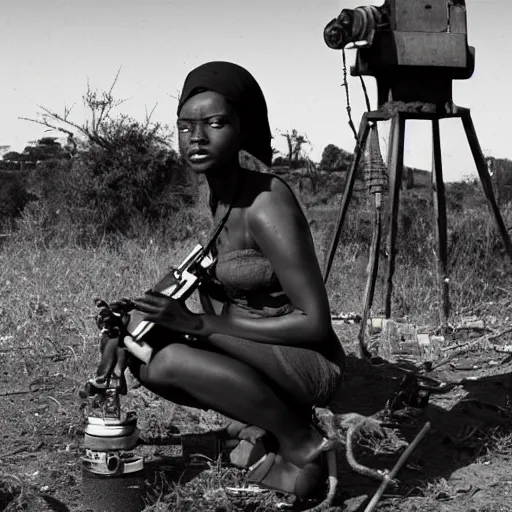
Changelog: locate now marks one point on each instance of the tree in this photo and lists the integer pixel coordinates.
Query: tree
(46, 148)
(295, 142)
(12, 156)
(11, 161)
(335, 159)
(123, 173)
(100, 105)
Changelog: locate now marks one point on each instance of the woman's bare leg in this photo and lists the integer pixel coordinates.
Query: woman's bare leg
(232, 388)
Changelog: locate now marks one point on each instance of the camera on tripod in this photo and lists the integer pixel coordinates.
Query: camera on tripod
(414, 48)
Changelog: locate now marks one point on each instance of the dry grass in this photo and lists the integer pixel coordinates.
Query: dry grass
(48, 294)
(47, 312)
(211, 493)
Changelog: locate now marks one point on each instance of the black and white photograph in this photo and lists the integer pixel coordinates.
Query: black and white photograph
(255, 256)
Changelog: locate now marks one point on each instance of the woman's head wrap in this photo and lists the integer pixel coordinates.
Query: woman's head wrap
(238, 86)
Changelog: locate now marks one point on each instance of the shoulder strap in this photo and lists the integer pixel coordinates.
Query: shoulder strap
(209, 245)
(218, 229)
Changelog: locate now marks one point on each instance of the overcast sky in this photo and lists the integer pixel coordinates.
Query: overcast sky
(50, 49)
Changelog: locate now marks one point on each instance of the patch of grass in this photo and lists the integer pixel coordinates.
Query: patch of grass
(47, 308)
(491, 508)
(478, 268)
(210, 493)
(496, 442)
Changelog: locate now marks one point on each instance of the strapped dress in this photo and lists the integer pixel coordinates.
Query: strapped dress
(245, 282)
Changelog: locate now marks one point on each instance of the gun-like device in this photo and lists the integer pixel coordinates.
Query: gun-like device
(120, 318)
(178, 283)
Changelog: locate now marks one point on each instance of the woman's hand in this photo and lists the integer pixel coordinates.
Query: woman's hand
(141, 351)
(169, 313)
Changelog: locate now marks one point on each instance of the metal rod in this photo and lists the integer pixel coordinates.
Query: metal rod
(485, 178)
(440, 215)
(372, 274)
(396, 168)
(362, 137)
(401, 461)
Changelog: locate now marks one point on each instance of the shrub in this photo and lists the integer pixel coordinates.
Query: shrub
(335, 159)
(122, 177)
(14, 196)
(135, 182)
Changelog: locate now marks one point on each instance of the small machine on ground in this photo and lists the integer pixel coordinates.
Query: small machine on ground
(109, 437)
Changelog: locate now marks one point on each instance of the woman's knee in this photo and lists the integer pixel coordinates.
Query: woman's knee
(166, 368)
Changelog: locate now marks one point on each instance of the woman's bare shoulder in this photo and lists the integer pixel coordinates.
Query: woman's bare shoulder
(275, 207)
(267, 188)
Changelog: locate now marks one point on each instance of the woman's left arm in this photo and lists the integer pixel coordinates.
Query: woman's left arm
(277, 225)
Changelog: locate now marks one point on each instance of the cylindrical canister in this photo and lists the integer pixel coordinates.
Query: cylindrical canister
(113, 478)
(124, 492)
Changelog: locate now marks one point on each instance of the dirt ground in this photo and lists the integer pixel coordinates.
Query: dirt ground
(463, 464)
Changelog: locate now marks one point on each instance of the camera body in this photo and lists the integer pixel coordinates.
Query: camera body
(414, 48)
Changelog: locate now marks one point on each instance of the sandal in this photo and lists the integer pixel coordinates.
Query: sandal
(274, 472)
(247, 444)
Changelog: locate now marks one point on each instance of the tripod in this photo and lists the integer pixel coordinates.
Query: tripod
(398, 114)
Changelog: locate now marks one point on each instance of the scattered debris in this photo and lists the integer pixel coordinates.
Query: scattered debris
(388, 478)
(18, 392)
(14, 452)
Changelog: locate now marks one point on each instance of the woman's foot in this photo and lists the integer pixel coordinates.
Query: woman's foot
(275, 472)
(304, 449)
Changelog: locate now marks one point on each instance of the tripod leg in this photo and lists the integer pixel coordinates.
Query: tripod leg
(485, 178)
(392, 137)
(440, 213)
(362, 137)
(396, 168)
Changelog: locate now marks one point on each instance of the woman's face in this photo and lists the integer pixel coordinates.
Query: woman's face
(208, 129)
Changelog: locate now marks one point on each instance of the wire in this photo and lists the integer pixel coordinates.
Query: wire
(367, 99)
(347, 95)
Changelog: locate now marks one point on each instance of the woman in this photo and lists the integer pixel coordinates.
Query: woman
(271, 354)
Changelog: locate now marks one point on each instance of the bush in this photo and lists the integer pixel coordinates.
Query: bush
(116, 176)
(13, 197)
(335, 159)
(131, 181)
